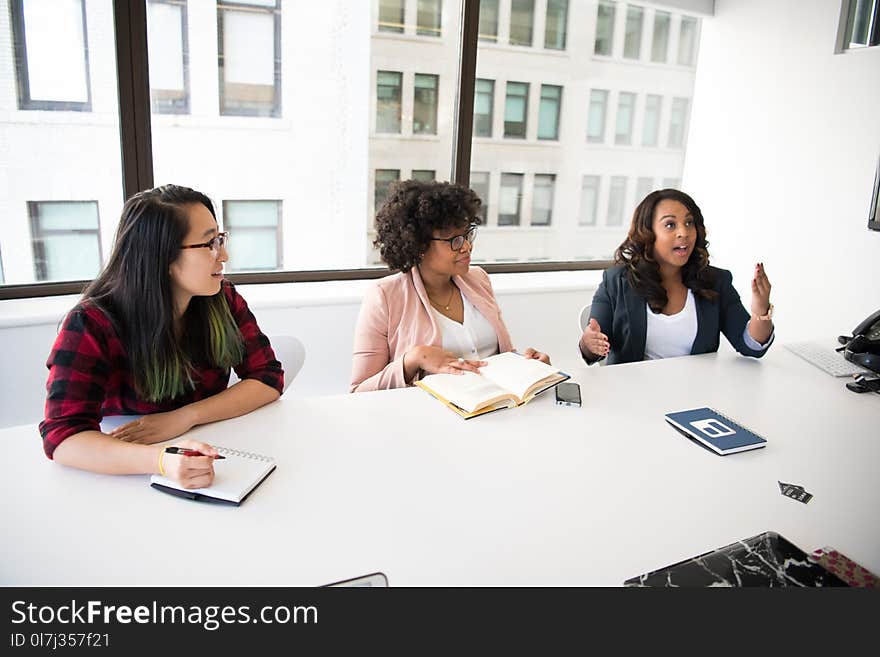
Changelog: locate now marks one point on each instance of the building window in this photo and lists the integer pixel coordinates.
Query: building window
(388, 101)
(480, 185)
(65, 240)
(616, 200)
(652, 120)
(249, 45)
(391, 15)
(51, 55)
(596, 120)
(511, 199)
(677, 121)
(522, 16)
(428, 17)
(555, 27)
(687, 41)
(604, 28)
(548, 111)
(632, 39)
(484, 99)
(626, 103)
(671, 183)
(2, 279)
(660, 42)
(169, 56)
(589, 201)
(255, 235)
(425, 104)
(862, 27)
(384, 178)
(644, 186)
(424, 175)
(489, 20)
(542, 199)
(516, 109)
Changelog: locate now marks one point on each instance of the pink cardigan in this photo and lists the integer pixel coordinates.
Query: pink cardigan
(396, 316)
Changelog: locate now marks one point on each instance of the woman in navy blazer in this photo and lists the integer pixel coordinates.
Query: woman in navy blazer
(663, 268)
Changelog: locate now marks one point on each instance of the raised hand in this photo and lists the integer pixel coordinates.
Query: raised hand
(760, 291)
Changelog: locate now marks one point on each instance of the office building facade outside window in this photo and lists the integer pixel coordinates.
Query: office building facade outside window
(651, 129)
(484, 99)
(65, 239)
(249, 45)
(480, 185)
(616, 201)
(677, 122)
(384, 178)
(169, 56)
(555, 25)
(542, 199)
(391, 16)
(425, 104)
(596, 118)
(489, 21)
(255, 227)
(516, 109)
(522, 18)
(687, 41)
(632, 39)
(388, 96)
(428, 17)
(644, 186)
(51, 55)
(510, 201)
(626, 103)
(589, 201)
(660, 41)
(604, 28)
(549, 111)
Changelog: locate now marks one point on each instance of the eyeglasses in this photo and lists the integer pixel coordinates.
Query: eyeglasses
(215, 244)
(456, 243)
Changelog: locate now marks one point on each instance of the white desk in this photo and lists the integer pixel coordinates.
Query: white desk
(541, 494)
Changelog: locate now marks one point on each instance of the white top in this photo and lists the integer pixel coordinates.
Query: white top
(474, 339)
(668, 336)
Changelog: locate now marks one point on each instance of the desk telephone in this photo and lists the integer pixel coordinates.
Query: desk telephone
(863, 349)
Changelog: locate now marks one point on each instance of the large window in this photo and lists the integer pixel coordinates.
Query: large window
(516, 109)
(480, 185)
(632, 40)
(428, 17)
(425, 104)
(65, 239)
(589, 201)
(424, 175)
(169, 56)
(677, 122)
(484, 99)
(660, 42)
(391, 15)
(626, 104)
(598, 111)
(51, 54)
(604, 28)
(255, 229)
(644, 186)
(384, 178)
(862, 27)
(651, 129)
(511, 199)
(548, 112)
(388, 95)
(248, 44)
(489, 20)
(555, 26)
(542, 199)
(522, 17)
(687, 41)
(616, 201)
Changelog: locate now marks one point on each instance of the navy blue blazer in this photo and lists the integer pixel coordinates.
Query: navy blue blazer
(623, 316)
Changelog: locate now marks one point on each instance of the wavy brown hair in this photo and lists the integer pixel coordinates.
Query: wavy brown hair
(411, 213)
(636, 253)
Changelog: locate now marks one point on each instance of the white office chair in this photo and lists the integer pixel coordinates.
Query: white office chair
(290, 351)
(584, 317)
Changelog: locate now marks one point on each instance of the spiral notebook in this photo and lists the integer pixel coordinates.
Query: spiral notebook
(235, 477)
(715, 431)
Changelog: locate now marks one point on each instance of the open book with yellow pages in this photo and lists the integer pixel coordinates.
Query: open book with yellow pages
(508, 380)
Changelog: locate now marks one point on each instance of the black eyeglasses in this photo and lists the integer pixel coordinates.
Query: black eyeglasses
(457, 242)
(215, 244)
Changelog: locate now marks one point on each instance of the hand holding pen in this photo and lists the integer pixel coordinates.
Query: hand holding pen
(190, 462)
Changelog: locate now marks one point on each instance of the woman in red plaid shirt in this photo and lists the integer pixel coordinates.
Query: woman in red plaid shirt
(156, 334)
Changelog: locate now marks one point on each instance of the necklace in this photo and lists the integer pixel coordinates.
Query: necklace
(448, 301)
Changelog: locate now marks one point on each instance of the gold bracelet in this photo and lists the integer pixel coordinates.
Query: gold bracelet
(161, 457)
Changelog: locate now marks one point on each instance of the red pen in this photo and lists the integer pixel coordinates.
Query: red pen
(183, 451)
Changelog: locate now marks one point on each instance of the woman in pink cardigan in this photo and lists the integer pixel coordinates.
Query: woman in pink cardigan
(438, 314)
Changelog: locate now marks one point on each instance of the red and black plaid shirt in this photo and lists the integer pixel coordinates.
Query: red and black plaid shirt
(90, 375)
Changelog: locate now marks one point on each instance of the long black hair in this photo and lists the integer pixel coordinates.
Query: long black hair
(135, 291)
(636, 252)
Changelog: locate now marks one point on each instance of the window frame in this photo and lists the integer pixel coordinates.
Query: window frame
(22, 80)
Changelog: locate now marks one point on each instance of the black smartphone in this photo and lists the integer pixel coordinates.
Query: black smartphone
(568, 394)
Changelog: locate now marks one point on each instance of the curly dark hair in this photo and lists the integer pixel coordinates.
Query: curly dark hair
(413, 210)
(636, 252)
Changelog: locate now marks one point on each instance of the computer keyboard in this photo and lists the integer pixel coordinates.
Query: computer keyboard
(825, 358)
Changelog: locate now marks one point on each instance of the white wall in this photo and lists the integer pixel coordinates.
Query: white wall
(781, 156)
(540, 311)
